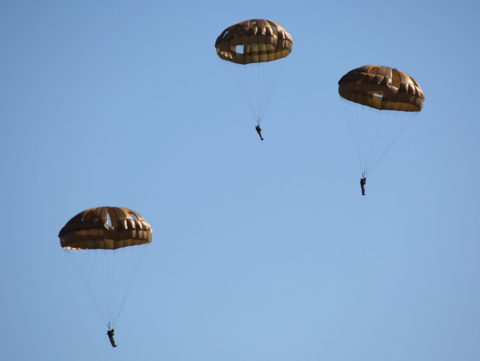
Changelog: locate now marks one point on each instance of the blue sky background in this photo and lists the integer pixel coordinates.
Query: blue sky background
(261, 250)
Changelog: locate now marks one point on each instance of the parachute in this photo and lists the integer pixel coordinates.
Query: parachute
(254, 52)
(379, 103)
(105, 245)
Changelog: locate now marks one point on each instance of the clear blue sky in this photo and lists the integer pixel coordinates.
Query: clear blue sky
(261, 250)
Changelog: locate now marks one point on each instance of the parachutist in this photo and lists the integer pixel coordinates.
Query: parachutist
(362, 184)
(259, 131)
(110, 334)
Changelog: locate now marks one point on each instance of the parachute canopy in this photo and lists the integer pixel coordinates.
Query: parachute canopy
(105, 245)
(105, 228)
(262, 41)
(382, 87)
(379, 103)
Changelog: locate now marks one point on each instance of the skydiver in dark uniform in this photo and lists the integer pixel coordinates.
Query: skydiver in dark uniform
(362, 184)
(110, 334)
(259, 131)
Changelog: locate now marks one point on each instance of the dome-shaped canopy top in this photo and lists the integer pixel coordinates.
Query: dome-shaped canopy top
(262, 41)
(382, 87)
(105, 228)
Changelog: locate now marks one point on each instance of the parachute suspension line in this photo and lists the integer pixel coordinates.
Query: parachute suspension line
(96, 269)
(370, 135)
(374, 131)
(392, 123)
(257, 72)
(256, 82)
(99, 276)
(398, 124)
(361, 125)
(402, 124)
(357, 129)
(381, 133)
(274, 71)
(241, 82)
(114, 272)
(125, 255)
(108, 276)
(367, 135)
(112, 291)
(249, 85)
(80, 262)
(102, 276)
(379, 130)
(135, 256)
(269, 82)
(352, 127)
(116, 289)
(118, 253)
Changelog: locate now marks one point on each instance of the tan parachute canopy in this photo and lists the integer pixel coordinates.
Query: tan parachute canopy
(263, 41)
(92, 229)
(382, 87)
